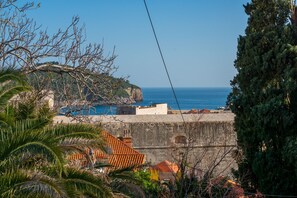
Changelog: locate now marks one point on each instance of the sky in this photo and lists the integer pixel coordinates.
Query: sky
(198, 37)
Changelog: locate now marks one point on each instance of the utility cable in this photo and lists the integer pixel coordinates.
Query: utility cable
(174, 94)
(163, 60)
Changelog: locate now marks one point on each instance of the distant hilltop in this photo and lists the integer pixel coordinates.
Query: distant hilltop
(109, 90)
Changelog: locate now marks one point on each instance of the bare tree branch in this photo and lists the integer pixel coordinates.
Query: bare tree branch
(78, 73)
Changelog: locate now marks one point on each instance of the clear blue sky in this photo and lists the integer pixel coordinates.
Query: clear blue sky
(198, 37)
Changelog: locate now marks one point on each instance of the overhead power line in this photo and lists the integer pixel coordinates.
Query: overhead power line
(293, 3)
(163, 60)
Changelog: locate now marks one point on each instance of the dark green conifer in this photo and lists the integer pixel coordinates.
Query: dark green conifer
(264, 99)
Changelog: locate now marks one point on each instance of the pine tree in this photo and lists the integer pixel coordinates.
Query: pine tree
(264, 99)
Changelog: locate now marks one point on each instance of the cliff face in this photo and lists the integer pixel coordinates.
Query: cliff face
(135, 93)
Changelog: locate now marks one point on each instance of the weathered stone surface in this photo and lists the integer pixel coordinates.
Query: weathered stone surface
(210, 137)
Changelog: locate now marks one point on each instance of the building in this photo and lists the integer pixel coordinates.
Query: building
(211, 137)
(46, 97)
(163, 137)
(164, 171)
(154, 109)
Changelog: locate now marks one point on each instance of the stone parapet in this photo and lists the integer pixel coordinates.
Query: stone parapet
(207, 138)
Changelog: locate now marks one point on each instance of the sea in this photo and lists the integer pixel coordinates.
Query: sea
(188, 98)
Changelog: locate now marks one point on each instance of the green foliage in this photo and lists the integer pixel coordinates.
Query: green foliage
(207, 186)
(125, 182)
(84, 183)
(33, 153)
(121, 93)
(109, 87)
(264, 99)
(30, 148)
(151, 188)
(11, 84)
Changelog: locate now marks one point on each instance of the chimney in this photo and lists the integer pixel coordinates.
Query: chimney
(127, 139)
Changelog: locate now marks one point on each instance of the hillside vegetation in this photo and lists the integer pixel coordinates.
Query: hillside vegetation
(112, 90)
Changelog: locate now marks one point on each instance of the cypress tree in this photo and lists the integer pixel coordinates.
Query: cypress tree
(264, 99)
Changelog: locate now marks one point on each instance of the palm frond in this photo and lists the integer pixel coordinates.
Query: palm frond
(19, 141)
(86, 183)
(9, 92)
(124, 181)
(31, 124)
(32, 153)
(11, 83)
(5, 121)
(11, 75)
(124, 174)
(79, 144)
(128, 189)
(74, 130)
(29, 183)
(77, 137)
(99, 165)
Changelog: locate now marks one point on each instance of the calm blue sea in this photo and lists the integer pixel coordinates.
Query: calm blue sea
(189, 98)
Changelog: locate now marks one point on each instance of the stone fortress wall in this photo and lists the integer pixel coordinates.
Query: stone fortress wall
(207, 138)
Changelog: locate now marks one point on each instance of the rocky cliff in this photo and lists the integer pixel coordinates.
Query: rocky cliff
(135, 93)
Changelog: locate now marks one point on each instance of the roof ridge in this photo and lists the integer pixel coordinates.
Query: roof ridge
(121, 142)
(122, 155)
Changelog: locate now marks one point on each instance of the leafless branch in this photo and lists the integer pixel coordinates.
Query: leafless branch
(78, 73)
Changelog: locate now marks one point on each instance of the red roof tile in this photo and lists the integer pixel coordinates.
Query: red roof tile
(166, 166)
(121, 154)
(204, 111)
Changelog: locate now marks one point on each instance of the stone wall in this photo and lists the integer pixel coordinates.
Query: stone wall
(207, 138)
(205, 141)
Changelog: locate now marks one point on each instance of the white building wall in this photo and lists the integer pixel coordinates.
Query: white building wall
(49, 98)
(160, 109)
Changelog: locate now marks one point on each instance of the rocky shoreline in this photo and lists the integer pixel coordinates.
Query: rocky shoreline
(134, 95)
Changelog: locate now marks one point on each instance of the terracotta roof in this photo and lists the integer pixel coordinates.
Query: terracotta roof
(166, 166)
(121, 155)
(117, 146)
(193, 111)
(204, 111)
(234, 189)
(126, 160)
(164, 171)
